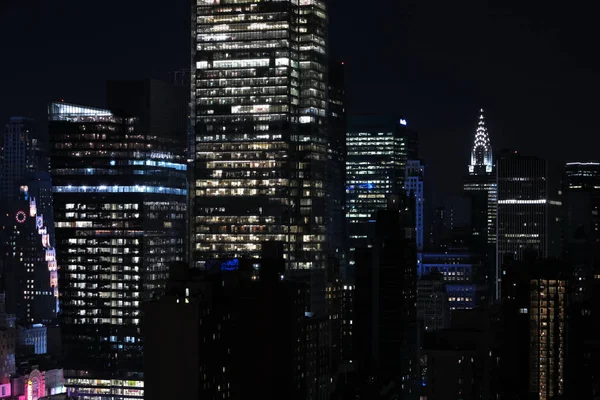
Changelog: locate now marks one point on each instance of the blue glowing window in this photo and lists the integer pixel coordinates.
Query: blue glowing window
(230, 265)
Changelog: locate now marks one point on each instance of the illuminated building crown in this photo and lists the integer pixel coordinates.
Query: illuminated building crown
(481, 155)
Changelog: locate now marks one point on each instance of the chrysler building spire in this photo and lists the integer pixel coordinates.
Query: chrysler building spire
(481, 155)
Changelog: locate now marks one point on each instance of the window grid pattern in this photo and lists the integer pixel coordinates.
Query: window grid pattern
(259, 172)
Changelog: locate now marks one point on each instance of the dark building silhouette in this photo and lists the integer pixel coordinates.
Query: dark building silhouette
(235, 329)
(529, 208)
(8, 343)
(441, 226)
(451, 225)
(414, 187)
(457, 363)
(582, 364)
(347, 325)
(433, 307)
(385, 329)
(336, 170)
(120, 208)
(581, 194)
(581, 227)
(23, 150)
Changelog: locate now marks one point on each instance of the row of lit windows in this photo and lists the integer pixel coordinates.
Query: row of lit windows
(272, 191)
(211, 75)
(245, 90)
(116, 172)
(101, 145)
(103, 206)
(102, 250)
(99, 321)
(103, 277)
(248, 118)
(101, 215)
(100, 284)
(112, 225)
(255, 44)
(237, 192)
(249, 36)
(238, 164)
(101, 259)
(94, 268)
(211, 19)
(233, 147)
(107, 295)
(241, 183)
(113, 312)
(255, 238)
(267, 81)
(119, 189)
(247, 101)
(242, 27)
(103, 382)
(254, 219)
(245, 229)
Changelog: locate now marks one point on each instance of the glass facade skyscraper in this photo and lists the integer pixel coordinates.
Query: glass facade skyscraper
(120, 205)
(529, 207)
(378, 149)
(260, 101)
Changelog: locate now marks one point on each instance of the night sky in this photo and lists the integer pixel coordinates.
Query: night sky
(531, 64)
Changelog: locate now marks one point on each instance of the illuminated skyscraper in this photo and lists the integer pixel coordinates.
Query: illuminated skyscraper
(481, 188)
(481, 155)
(120, 204)
(529, 207)
(378, 151)
(260, 110)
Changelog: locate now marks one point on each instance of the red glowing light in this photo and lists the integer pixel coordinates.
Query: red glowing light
(21, 217)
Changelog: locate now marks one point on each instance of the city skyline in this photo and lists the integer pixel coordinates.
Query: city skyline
(444, 75)
(301, 199)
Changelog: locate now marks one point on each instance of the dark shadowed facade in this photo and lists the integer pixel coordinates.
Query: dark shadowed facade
(385, 331)
(233, 329)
